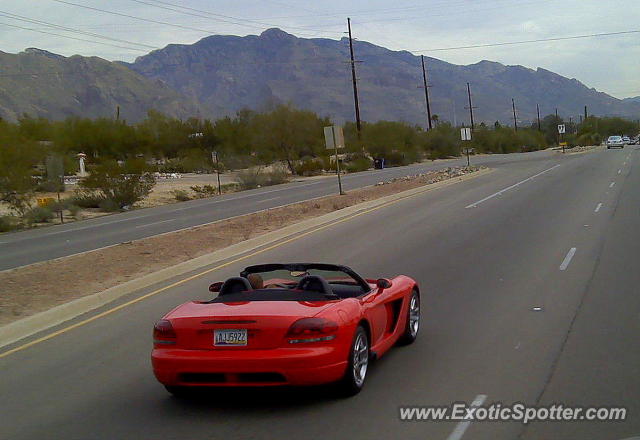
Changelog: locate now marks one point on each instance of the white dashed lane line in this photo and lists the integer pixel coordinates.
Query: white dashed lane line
(462, 427)
(567, 259)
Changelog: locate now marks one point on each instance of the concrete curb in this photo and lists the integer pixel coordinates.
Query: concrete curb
(30, 325)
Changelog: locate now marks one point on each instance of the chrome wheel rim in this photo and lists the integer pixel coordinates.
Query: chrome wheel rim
(360, 359)
(414, 315)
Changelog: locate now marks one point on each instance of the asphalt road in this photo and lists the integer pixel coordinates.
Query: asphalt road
(488, 253)
(26, 247)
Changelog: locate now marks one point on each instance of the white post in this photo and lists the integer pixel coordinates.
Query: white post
(83, 171)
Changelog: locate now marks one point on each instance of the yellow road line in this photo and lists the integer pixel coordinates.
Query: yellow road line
(178, 283)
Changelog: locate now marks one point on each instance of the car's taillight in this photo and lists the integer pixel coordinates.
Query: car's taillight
(312, 330)
(163, 333)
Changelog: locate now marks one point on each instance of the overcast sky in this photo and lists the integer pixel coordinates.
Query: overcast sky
(608, 63)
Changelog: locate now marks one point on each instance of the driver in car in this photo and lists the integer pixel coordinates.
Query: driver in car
(256, 281)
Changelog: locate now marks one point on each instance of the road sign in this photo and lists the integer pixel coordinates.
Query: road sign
(334, 137)
(561, 129)
(465, 134)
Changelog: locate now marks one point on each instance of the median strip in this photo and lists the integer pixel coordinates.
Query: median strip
(94, 278)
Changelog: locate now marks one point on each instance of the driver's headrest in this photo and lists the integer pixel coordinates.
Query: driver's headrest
(235, 285)
(314, 283)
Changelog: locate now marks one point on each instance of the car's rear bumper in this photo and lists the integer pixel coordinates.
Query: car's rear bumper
(280, 366)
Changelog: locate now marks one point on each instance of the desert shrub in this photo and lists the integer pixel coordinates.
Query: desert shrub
(328, 164)
(249, 179)
(109, 205)
(87, 199)
(59, 205)
(181, 195)
(237, 162)
(120, 186)
(587, 139)
(276, 177)
(254, 179)
(38, 214)
(8, 223)
(230, 187)
(75, 211)
(204, 190)
(359, 164)
(309, 168)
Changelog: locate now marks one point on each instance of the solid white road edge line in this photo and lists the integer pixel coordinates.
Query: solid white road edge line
(461, 427)
(567, 259)
(473, 205)
(598, 207)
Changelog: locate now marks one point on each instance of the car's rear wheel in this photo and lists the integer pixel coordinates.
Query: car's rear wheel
(413, 320)
(356, 374)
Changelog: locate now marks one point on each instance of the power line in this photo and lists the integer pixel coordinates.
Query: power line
(212, 15)
(540, 40)
(71, 38)
(65, 28)
(119, 14)
(447, 14)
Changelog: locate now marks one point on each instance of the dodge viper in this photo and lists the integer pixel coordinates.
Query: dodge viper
(285, 324)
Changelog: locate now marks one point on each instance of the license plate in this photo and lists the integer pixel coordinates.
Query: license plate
(230, 337)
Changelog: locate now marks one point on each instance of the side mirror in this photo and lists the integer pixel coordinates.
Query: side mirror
(383, 283)
(215, 287)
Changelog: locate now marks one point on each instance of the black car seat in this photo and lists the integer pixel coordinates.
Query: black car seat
(235, 285)
(314, 283)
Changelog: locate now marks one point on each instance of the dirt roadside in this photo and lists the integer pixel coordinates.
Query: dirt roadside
(31, 289)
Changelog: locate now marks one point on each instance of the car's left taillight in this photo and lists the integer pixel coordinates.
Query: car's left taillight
(312, 330)
(163, 333)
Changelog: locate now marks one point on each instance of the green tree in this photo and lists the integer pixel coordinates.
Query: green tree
(288, 134)
(120, 186)
(19, 158)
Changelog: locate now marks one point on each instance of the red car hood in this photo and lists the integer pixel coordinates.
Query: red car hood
(267, 322)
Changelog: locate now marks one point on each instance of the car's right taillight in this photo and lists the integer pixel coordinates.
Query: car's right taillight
(312, 330)
(163, 333)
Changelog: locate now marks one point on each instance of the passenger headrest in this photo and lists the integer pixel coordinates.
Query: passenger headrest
(235, 285)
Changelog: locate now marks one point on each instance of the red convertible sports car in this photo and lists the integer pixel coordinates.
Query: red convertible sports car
(285, 324)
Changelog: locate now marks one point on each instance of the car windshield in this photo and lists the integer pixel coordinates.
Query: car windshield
(615, 138)
(284, 276)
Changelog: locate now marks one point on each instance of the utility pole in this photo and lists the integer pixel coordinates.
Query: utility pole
(355, 81)
(117, 113)
(538, 109)
(515, 117)
(426, 92)
(471, 107)
(586, 114)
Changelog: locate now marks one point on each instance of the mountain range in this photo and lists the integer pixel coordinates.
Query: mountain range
(219, 75)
